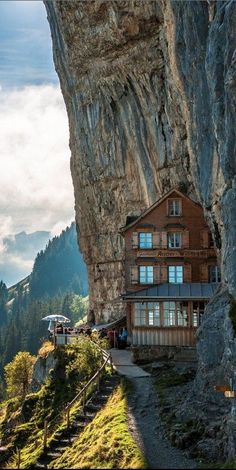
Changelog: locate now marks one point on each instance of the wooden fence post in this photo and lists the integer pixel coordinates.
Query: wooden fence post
(98, 382)
(84, 401)
(18, 457)
(68, 417)
(45, 435)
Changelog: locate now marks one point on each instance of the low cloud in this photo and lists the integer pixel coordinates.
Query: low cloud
(36, 186)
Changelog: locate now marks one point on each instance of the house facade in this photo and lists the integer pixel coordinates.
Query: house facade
(171, 272)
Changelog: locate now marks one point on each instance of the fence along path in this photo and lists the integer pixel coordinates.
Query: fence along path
(51, 427)
(81, 395)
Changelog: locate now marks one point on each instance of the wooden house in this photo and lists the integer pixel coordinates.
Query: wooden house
(171, 271)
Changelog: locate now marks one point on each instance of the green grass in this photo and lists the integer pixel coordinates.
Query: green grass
(76, 364)
(106, 441)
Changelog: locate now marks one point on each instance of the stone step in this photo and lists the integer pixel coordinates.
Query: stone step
(92, 407)
(65, 437)
(52, 454)
(60, 449)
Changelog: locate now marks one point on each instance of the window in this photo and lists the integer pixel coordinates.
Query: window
(211, 241)
(147, 314)
(175, 313)
(145, 240)
(175, 274)
(153, 314)
(174, 240)
(174, 207)
(214, 274)
(140, 314)
(198, 311)
(146, 274)
(182, 313)
(169, 314)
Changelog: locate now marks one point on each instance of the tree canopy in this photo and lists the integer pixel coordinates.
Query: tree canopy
(18, 374)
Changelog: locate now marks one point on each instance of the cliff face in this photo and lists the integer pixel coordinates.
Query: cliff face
(150, 92)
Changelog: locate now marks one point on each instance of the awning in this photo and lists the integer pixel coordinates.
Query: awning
(190, 290)
(113, 324)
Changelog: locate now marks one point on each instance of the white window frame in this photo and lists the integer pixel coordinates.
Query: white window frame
(214, 274)
(145, 240)
(174, 239)
(174, 207)
(146, 274)
(175, 274)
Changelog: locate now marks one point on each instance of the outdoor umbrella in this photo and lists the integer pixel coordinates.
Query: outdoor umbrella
(58, 318)
(55, 319)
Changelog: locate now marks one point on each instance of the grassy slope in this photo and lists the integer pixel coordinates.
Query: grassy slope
(25, 430)
(106, 442)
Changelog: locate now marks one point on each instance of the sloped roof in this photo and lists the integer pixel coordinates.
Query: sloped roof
(151, 208)
(112, 324)
(190, 290)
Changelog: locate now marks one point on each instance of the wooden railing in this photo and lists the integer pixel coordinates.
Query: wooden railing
(81, 396)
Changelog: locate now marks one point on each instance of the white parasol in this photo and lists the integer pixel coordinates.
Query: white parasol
(53, 319)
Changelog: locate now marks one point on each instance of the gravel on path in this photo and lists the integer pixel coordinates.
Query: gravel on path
(147, 430)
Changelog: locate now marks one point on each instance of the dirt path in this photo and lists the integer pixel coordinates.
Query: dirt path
(146, 428)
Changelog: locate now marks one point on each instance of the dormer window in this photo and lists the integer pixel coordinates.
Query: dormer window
(174, 240)
(174, 207)
(145, 240)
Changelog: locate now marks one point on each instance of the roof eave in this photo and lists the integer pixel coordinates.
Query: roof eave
(167, 298)
(153, 206)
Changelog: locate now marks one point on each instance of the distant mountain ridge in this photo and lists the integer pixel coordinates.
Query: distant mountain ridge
(58, 268)
(58, 283)
(19, 253)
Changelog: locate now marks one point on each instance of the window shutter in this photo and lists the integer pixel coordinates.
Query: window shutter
(164, 274)
(135, 240)
(204, 272)
(157, 274)
(187, 273)
(134, 274)
(204, 238)
(185, 239)
(164, 239)
(156, 237)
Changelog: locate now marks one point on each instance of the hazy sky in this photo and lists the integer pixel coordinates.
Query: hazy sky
(35, 181)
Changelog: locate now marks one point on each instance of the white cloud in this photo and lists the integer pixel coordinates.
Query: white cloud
(35, 181)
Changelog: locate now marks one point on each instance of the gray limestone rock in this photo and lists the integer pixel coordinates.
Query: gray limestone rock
(149, 88)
